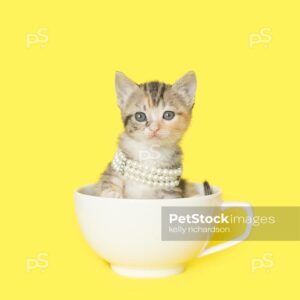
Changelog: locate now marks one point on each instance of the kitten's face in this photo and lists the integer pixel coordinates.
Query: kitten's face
(154, 112)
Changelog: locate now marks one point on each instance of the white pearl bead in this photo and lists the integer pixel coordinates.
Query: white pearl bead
(159, 171)
(167, 184)
(161, 184)
(154, 183)
(165, 171)
(176, 182)
(155, 177)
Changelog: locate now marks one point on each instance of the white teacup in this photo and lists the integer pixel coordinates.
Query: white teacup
(127, 232)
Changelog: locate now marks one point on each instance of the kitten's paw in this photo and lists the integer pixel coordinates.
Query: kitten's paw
(111, 194)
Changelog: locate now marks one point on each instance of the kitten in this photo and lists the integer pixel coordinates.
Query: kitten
(155, 117)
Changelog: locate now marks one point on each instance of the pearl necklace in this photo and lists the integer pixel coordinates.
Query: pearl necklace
(144, 174)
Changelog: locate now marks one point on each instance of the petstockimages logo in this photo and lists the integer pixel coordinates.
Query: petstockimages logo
(212, 223)
(198, 219)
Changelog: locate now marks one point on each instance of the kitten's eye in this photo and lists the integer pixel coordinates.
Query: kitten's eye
(140, 117)
(168, 115)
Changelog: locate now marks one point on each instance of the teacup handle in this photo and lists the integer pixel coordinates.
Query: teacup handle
(247, 207)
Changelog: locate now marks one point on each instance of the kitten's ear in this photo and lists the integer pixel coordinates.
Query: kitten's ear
(124, 88)
(186, 87)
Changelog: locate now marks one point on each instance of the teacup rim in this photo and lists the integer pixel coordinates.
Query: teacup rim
(217, 193)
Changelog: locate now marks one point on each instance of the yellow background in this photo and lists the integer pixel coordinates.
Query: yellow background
(59, 125)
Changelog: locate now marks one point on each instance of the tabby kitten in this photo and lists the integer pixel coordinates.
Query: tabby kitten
(155, 117)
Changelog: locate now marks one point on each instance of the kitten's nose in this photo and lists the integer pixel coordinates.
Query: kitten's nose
(154, 128)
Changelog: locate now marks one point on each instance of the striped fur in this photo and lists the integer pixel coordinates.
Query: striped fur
(155, 91)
